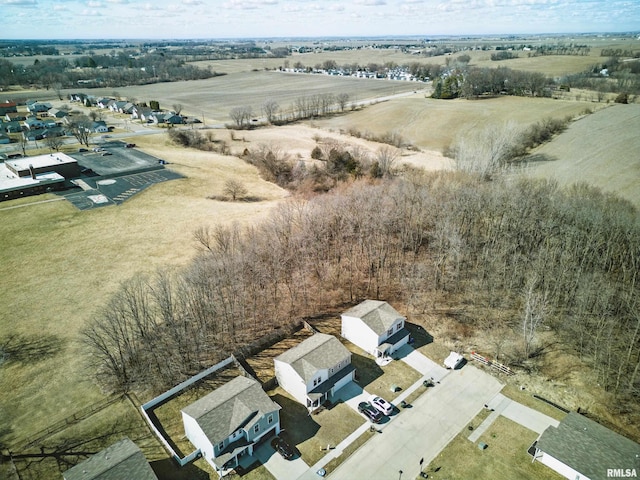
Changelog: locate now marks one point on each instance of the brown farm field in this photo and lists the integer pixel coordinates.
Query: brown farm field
(600, 149)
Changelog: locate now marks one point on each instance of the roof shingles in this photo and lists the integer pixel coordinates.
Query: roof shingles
(376, 314)
(239, 403)
(318, 352)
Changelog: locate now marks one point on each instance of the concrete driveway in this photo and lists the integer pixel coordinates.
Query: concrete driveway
(420, 362)
(278, 466)
(423, 431)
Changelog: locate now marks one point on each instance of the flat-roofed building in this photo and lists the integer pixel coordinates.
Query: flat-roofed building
(35, 175)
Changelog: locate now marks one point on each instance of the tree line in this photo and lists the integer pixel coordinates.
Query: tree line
(101, 71)
(506, 257)
(473, 81)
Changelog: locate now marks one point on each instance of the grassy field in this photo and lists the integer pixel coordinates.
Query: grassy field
(505, 458)
(61, 265)
(600, 149)
(434, 124)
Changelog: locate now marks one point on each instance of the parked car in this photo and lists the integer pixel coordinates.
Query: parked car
(105, 154)
(381, 404)
(130, 145)
(370, 412)
(281, 446)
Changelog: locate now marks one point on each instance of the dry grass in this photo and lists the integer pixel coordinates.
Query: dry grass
(505, 458)
(434, 124)
(598, 149)
(64, 264)
(262, 362)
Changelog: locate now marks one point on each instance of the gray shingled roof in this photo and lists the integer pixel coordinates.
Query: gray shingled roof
(320, 351)
(588, 447)
(237, 404)
(378, 315)
(121, 461)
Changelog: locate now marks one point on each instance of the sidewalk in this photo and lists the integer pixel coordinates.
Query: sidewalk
(516, 412)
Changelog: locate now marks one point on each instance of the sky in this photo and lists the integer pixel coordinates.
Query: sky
(176, 19)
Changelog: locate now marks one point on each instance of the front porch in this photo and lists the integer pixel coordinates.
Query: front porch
(323, 392)
(384, 351)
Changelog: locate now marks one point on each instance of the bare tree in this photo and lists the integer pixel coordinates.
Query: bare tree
(342, 99)
(235, 189)
(386, 157)
(23, 141)
(270, 108)
(487, 151)
(177, 107)
(54, 142)
(241, 116)
(80, 128)
(534, 313)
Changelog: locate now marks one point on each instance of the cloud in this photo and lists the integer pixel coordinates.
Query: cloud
(248, 4)
(118, 1)
(192, 2)
(90, 13)
(94, 4)
(371, 3)
(150, 6)
(20, 3)
(59, 8)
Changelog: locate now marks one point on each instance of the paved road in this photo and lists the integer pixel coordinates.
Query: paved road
(423, 431)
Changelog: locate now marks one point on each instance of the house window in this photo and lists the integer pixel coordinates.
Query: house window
(390, 332)
(270, 419)
(331, 371)
(398, 327)
(220, 446)
(316, 382)
(256, 429)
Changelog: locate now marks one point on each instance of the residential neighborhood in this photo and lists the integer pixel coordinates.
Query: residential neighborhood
(240, 424)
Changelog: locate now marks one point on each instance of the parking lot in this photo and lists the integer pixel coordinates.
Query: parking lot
(113, 173)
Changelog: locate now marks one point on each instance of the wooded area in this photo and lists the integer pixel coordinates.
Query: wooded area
(525, 253)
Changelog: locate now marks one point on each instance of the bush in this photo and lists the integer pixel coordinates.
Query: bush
(622, 98)
(316, 153)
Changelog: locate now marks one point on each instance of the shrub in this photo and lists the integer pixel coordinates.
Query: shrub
(316, 153)
(622, 98)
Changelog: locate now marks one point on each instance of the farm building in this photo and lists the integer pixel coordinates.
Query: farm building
(315, 369)
(229, 422)
(581, 449)
(119, 461)
(34, 175)
(376, 327)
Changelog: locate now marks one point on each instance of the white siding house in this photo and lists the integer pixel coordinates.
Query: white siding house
(226, 424)
(376, 327)
(315, 369)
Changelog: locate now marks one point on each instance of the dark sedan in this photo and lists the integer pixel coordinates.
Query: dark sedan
(283, 448)
(370, 412)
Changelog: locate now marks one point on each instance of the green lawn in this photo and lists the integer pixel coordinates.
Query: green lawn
(505, 458)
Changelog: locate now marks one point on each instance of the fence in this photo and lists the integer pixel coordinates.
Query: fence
(166, 396)
(57, 427)
(490, 363)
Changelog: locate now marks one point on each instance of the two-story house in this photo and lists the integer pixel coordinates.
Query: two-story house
(315, 369)
(376, 327)
(226, 424)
